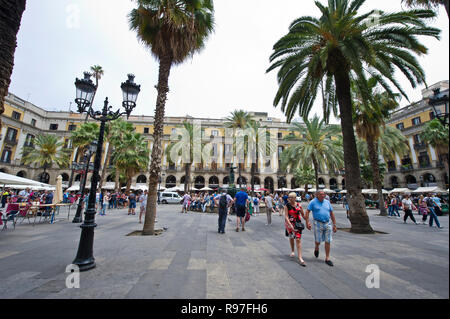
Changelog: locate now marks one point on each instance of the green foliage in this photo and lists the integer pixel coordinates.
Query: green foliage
(367, 171)
(321, 145)
(304, 176)
(47, 150)
(343, 41)
(435, 134)
(85, 134)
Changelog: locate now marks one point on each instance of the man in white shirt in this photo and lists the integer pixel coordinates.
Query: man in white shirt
(408, 207)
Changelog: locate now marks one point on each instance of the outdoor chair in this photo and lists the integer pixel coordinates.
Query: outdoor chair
(11, 215)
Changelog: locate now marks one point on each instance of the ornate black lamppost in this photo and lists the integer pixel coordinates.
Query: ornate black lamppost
(85, 90)
(439, 98)
(87, 160)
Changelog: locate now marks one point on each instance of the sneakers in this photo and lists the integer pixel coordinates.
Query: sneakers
(329, 263)
(237, 229)
(243, 229)
(316, 253)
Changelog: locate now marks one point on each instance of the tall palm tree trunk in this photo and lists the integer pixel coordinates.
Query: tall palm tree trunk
(155, 166)
(108, 159)
(316, 172)
(252, 173)
(373, 156)
(117, 179)
(358, 216)
(187, 179)
(11, 12)
(446, 5)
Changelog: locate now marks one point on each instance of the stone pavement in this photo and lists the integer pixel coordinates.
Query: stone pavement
(191, 260)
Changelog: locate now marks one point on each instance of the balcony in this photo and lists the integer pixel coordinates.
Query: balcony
(171, 169)
(392, 169)
(420, 146)
(11, 142)
(425, 165)
(406, 168)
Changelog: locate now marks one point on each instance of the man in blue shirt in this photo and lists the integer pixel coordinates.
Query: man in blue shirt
(240, 200)
(322, 215)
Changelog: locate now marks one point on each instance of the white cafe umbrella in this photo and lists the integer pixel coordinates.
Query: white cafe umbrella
(16, 180)
(58, 197)
(206, 189)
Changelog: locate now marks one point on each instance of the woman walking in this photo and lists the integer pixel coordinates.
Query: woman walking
(408, 207)
(423, 209)
(143, 201)
(293, 213)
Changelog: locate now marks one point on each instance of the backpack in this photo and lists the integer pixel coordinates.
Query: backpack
(223, 202)
(430, 202)
(255, 201)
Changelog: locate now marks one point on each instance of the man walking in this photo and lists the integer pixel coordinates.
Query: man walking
(269, 209)
(223, 202)
(323, 216)
(240, 200)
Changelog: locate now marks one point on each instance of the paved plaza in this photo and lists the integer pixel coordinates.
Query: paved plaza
(192, 261)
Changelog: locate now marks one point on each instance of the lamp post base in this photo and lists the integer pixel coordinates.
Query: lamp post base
(77, 219)
(84, 265)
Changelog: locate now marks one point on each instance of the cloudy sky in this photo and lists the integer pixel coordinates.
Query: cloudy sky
(59, 39)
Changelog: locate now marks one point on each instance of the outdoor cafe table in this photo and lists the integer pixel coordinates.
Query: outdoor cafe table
(35, 209)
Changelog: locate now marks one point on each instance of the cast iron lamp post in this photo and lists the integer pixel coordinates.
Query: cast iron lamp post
(85, 91)
(437, 99)
(87, 160)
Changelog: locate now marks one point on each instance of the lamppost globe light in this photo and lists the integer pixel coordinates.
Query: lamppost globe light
(130, 92)
(93, 147)
(85, 90)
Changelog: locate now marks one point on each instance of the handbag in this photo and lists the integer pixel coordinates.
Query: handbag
(299, 225)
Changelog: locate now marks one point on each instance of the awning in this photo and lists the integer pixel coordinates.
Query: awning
(431, 189)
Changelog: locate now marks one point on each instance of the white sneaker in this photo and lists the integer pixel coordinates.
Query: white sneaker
(424, 223)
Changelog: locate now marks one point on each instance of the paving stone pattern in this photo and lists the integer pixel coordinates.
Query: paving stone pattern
(192, 261)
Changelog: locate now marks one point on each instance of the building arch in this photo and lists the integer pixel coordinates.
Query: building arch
(171, 181)
(65, 177)
(142, 179)
(213, 181)
(226, 180)
(22, 174)
(394, 182)
(268, 183)
(199, 182)
(333, 183)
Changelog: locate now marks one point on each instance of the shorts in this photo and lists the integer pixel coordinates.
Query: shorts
(346, 207)
(132, 204)
(323, 231)
(240, 211)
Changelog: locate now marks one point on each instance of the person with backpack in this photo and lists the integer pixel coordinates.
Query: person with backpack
(394, 205)
(223, 202)
(240, 200)
(131, 203)
(432, 206)
(256, 204)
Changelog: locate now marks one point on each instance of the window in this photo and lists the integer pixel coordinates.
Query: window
(72, 127)
(417, 139)
(174, 131)
(53, 127)
(6, 155)
(33, 122)
(400, 126)
(416, 121)
(215, 133)
(146, 130)
(11, 134)
(424, 160)
(391, 166)
(16, 115)
(29, 140)
(280, 135)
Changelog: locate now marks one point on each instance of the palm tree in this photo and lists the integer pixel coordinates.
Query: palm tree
(238, 120)
(10, 18)
(320, 146)
(132, 156)
(258, 142)
(174, 30)
(340, 46)
(304, 176)
(84, 135)
(429, 4)
(436, 134)
(369, 120)
(47, 150)
(185, 148)
(114, 132)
